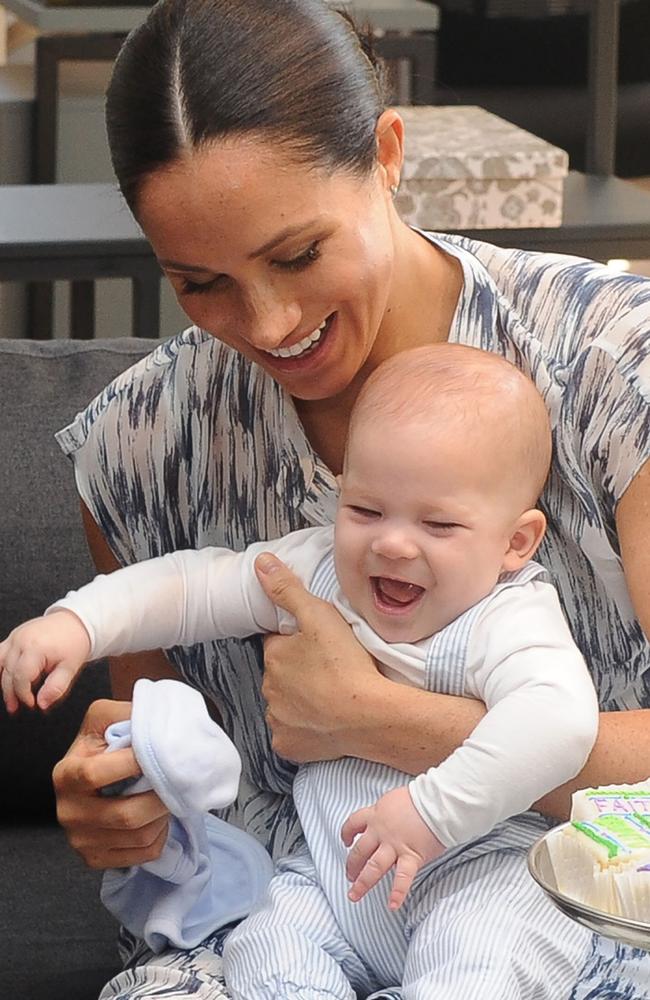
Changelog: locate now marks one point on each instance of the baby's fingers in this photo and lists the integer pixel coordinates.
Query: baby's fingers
(58, 683)
(11, 702)
(364, 848)
(378, 865)
(355, 824)
(405, 871)
(20, 670)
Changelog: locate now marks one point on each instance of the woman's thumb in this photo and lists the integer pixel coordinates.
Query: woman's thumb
(282, 586)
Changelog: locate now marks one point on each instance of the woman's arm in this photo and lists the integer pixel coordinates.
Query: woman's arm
(124, 670)
(622, 751)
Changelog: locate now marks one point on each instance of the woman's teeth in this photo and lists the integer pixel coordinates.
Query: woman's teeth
(303, 345)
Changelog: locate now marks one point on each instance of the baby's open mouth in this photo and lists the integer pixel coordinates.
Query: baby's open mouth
(395, 595)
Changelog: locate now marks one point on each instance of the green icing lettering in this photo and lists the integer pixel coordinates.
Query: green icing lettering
(627, 832)
(610, 846)
(616, 793)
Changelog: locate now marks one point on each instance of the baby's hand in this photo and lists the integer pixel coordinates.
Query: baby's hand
(392, 833)
(56, 645)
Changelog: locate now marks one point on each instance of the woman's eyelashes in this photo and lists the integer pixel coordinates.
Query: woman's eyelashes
(303, 260)
(299, 263)
(199, 288)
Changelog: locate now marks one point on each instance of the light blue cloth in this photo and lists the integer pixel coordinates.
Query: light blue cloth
(209, 873)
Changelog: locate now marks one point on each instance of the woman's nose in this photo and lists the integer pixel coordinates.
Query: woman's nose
(394, 543)
(272, 317)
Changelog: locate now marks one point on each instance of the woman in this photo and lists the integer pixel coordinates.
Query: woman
(251, 140)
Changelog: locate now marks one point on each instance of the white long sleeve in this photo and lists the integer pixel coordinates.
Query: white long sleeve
(189, 596)
(541, 723)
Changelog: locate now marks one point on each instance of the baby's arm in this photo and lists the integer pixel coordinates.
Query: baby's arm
(176, 600)
(541, 723)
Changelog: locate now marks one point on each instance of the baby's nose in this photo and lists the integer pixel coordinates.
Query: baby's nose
(395, 543)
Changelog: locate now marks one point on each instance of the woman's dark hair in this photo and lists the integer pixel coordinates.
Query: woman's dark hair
(200, 70)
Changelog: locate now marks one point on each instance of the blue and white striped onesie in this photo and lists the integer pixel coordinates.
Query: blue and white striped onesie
(196, 446)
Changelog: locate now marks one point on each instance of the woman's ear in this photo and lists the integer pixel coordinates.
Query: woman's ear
(524, 540)
(390, 147)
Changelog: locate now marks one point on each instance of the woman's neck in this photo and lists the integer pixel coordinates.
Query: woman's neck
(426, 287)
(325, 422)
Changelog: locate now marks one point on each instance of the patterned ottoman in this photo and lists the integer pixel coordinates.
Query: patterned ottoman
(465, 168)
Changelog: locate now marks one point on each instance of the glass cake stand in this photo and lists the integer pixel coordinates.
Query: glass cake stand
(632, 932)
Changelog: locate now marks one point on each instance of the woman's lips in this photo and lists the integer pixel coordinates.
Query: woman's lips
(395, 597)
(310, 358)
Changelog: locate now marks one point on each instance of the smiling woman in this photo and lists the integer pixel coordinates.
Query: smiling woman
(304, 296)
(251, 140)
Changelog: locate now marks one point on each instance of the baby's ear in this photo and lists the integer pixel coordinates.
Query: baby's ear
(525, 539)
(339, 482)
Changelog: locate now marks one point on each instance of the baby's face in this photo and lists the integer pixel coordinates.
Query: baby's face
(422, 528)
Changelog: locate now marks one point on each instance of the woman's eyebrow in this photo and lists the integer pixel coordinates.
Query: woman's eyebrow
(175, 265)
(282, 236)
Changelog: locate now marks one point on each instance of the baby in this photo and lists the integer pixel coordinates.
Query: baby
(429, 562)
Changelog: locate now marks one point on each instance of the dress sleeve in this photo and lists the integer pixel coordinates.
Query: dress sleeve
(604, 426)
(138, 446)
(541, 722)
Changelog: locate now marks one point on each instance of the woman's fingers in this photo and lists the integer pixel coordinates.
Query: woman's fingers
(85, 772)
(106, 832)
(283, 587)
(123, 850)
(123, 813)
(99, 716)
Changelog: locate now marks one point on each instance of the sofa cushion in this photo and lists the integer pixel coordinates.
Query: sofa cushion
(43, 384)
(57, 940)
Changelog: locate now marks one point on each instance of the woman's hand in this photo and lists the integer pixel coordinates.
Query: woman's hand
(318, 682)
(107, 832)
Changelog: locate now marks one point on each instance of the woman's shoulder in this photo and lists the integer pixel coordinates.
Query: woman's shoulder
(182, 378)
(565, 304)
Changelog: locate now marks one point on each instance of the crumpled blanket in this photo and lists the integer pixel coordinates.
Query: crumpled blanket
(210, 873)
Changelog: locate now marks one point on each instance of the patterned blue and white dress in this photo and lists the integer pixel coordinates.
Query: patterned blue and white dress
(196, 446)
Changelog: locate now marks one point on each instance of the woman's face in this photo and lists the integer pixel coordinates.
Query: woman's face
(288, 264)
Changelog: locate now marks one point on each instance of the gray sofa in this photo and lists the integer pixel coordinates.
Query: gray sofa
(56, 941)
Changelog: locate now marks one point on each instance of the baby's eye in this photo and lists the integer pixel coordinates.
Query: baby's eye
(440, 527)
(303, 260)
(364, 512)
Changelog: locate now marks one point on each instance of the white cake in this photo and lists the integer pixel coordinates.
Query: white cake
(602, 857)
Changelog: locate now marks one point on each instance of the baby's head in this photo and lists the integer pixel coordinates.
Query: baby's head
(447, 453)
